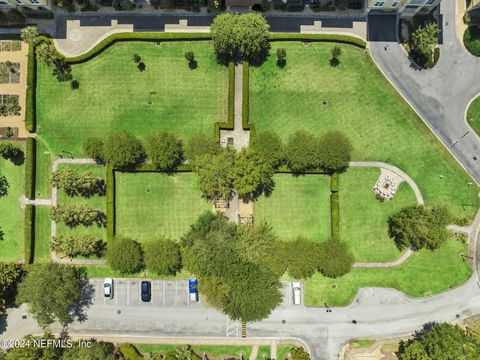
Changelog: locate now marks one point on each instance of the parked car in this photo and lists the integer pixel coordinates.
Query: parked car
(192, 289)
(297, 293)
(146, 291)
(108, 288)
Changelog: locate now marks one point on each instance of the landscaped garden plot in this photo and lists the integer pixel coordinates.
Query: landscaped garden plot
(473, 115)
(96, 201)
(425, 273)
(364, 219)
(150, 206)
(12, 218)
(361, 103)
(114, 95)
(298, 205)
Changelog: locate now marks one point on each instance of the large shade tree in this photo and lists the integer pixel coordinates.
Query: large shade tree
(52, 291)
(122, 149)
(164, 150)
(242, 36)
(125, 255)
(10, 275)
(252, 174)
(335, 151)
(269, 146)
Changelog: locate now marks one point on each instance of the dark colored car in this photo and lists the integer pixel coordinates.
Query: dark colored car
(146, 291)
(192, 289)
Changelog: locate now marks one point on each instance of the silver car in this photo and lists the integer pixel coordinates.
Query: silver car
(108, 288)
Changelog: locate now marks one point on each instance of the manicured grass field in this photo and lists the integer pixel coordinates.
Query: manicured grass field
(42, 233)
(213, 350)
(96, 201)
(471, 39)
(362, 104)
(154, 205)
(424, 274)
(473, 115)
(363, 219)
(298, 205)
(12, 217)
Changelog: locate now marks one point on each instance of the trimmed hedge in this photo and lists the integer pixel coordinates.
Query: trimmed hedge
(230, 124)
(30, 164)
(335, 216)
(30, 116)
(29, 234)
(345, 39)
(284, 169)
(334, 183)
(110, 195)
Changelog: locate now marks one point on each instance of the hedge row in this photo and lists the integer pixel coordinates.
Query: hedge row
(110, 185)
(334, 183)
(30, 164)
(136, 36)
(29, 234)
(230, 124)
(30, 119)
(284, 169)
(345, 39)
(335, 216)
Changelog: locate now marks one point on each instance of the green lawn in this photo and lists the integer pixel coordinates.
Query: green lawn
(424, 274)
(42, 233)
(213, 350)
(298, 205)
(363, 219)
(473, 115)
(471, 39)
(12, 216)
(283, 351)
(263, 350)
(155, 205)
(362, 104)
(97, 202)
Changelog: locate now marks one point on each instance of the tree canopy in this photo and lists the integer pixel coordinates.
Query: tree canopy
(52, 291)
(252, 174)
(301, 151)
(93, 147)
(304, 258)
(10, 275)
(335, 258)
(440, 341)
(335, 151)
(164, 150)
(242, 36)
(125, 255)
(122, 149)
(420, 227)
(163, 257)
(268, 145)
(232, 277)
(199, 145)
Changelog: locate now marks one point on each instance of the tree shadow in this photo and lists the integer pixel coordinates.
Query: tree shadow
(86, 298)
(281, 63)
(141, 66)
(192, 65)
(3, 323)
(334, 61)
(18, 159)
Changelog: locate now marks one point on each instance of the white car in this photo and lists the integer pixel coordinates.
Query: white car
(297, 293)
(108, 288)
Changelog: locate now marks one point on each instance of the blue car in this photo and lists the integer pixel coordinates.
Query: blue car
(192, 289)
(146, 291)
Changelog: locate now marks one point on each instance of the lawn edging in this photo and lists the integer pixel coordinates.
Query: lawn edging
(345, 39)
(229, 124)
(30, 119)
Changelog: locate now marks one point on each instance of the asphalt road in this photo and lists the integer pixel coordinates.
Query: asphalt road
(440, 95)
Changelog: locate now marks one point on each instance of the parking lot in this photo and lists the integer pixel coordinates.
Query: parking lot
(165, 293)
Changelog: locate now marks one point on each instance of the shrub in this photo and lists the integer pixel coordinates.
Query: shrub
(189, 56)
(269, 146)
(335, 215)
(30, 163)
(9, 151)
(336, 52)
(137, 58)
(163, 257)
(335, 258)
(30, 121)
(304, 258)
(334, 183)
(110, 185)
(164, 150)
(334, 151)
(281, 57)
(75, 184)
(301, 152)
(200, 145)
(4, 185)
(125, 255)
(93, 147)
(299, 353)
(123, 150)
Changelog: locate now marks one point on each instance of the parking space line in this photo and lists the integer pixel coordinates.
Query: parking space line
(289, 295)
(163, 292)
(128, 292)
(115, 282)
(176, 283)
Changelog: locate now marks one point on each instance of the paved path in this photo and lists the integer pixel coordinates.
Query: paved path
(395, 263)
(37, 202)
(440, 95)
(253, 354)
(397, 171)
